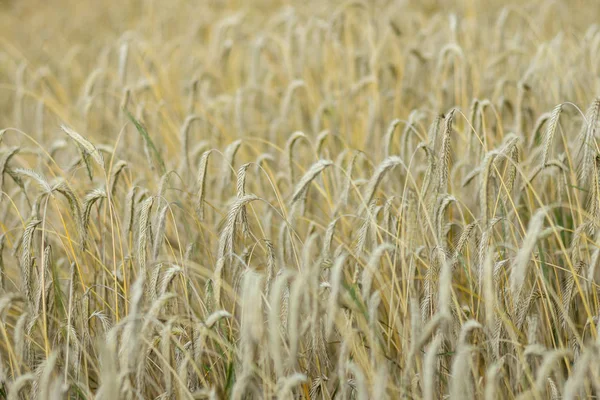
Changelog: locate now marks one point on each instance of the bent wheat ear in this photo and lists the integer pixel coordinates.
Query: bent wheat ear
(160, 230)
(389, 136)
(551, 359)
(184, 138)
(123, 58)
(461, 383)
(321, 139)
(4, 163)
(287, 98)
(168, 277)
(88, 203)
(46, 368)
(118, 168)
(347, 183)
(215, 317)
(275, 327)
(228, 160)
(539, 124)
(371, 268)
(328, 239)
(587, 149)
(241, 192)
(445, 285)
(289, 146)
(382, 168)
(550, 133)
(25, 259)
(130, 202)
(484, 176)
(430, 368)
(467, 328)
(18, 385)
(227, 236)
(131, 335)
(434, 130)
(163, 184)
(573, 385)
(444, 203)
(201, 183)
(144, 227)
(75, 207)
(444, 156)
(36, 177)
(431, 171)
(463, 239)
(252, 325)
(309, 176)
(288, 383)
(336, 281)
(367, 227)
(271, 264)
(360, 381)
(85, 144)
(297, 302)
(519, 268)
(491, 376)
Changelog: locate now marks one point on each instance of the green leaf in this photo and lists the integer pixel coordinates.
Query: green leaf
(142, 130)
(230, 380)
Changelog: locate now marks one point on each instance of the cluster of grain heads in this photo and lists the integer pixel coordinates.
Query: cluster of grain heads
(289, 202)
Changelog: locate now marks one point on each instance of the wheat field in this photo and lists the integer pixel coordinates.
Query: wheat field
(276, 199)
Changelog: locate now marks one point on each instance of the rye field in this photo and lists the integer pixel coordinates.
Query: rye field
(268, 199)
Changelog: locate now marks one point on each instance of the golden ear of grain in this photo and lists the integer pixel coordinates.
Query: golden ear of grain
(380, 171)
(228, 160)
(309, 176)
(576, 380)
(288, 383)
(550, 361)
(379, 278)
(444, 203)
(360, 381)
(19, 384)
(201, 184)
(144, 228)
(85, 144)
(25, 258)
(587, 148)
(389, 136)
(550, 131)
(117, 169)
(430, 368)
(492, 376)
(241, 192)
(343, 198)
(445, 284)
(336, 281)
(461, 383)
(444, 155)
(41, 181)
(289, 146)
(184, 138)
(519, 267)
(371, 268)
(160, 230)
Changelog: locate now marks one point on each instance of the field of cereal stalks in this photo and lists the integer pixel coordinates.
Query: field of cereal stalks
(299, 199)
